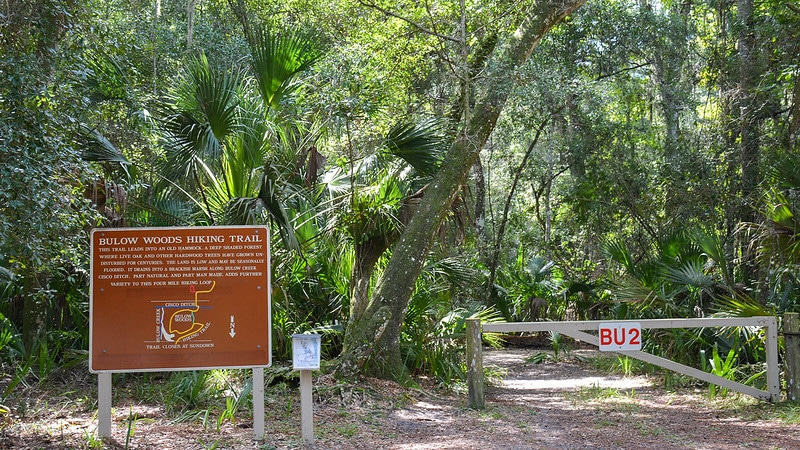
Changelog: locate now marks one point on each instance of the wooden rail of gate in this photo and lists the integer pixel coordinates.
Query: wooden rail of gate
(576, 330)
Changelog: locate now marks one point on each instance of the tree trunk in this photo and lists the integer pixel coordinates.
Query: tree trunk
(372, 342)
(480, 201)
(794, 122)
(190, 8)
(494, 260)
(34, 312)
(154, 38)
(749, 127)
(730, 130)
(748, 78)
(669, 60)
(367, 255)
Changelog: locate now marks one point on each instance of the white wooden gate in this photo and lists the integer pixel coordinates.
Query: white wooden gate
(577, 330)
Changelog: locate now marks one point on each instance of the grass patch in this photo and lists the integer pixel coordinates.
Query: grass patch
(593, 393)
(623, 365)
(751, 409)
(787, 412)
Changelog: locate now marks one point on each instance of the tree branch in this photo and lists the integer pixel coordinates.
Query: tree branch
(617, 72)
(408, 21)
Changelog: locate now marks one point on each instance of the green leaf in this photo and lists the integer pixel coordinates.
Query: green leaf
(278, 58)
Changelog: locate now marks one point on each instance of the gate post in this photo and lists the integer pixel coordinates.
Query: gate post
(474, 364)
(791, 336)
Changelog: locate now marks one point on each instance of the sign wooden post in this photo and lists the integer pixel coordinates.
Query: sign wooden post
(474, 364)
(791, 336)
(183, 298)
(259, 428)
(104, 404)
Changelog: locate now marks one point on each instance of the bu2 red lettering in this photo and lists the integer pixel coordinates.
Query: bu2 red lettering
(620, 336)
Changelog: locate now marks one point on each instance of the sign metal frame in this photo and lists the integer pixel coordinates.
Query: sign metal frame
(179, 298)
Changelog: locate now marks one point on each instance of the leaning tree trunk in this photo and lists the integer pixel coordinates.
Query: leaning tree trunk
(372, 343)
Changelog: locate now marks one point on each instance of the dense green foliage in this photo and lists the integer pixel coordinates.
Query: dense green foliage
(644, 165)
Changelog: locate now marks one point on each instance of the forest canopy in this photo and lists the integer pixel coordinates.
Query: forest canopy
(417, 164)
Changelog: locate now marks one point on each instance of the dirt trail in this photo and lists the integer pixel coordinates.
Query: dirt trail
(569, 406)
(577, 408)
(561, 405)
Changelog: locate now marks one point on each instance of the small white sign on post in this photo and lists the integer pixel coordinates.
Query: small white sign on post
(619, 336)
(306, 349)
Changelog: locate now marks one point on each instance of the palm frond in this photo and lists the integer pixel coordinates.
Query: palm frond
(454, 270)
(213, 94)
(278, 57)
(741, 306)
(777, 239)
(780, 212)
(242, 211)
(540, 268)
(618, 252)
(201, 114)
(691, 274)
(336, 182)
(270, 194)
(784, 170)
(630, 289)
(187, 142)
(420, 144)
(713, 248)
(166, 212)
(96, 147)
(105, 80)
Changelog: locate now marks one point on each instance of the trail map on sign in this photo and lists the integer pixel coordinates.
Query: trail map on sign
(183, 323)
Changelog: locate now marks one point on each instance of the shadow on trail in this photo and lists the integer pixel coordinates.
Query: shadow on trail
(569, 405)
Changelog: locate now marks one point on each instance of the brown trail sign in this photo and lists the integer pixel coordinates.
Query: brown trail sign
(179, 299)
